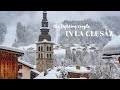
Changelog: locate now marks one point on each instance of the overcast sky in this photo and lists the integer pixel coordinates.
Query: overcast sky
(53, 16)
(10, 18)
(58, 16)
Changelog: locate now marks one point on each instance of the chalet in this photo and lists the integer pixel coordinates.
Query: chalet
(78, 72)
(9, 62)
(24, 69)
(112, 49)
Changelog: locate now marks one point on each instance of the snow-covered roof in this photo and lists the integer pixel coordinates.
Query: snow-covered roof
(113, 46)
(51, 75)
(35, 71)
(26, 63)
(73, 69)
(11, 49)
(45, 41)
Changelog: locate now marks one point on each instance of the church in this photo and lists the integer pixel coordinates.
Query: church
(44, 47)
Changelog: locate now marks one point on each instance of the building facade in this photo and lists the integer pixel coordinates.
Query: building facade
(24, 70)
(44, 47)
(9, 62)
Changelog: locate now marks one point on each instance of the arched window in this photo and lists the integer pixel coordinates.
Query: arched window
(38, 48)
(50, 48)
(47, 48)
(41, 55)
(47, 56)
(38, 55)
(41, 48)
(50, 55)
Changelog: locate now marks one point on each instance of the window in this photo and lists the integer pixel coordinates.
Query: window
(41, 55)
(20, 66)
(20, 75)
(47, 56)
(50, 48)
(41, 48)
(50, 55)
(38, 55)
(47, 48)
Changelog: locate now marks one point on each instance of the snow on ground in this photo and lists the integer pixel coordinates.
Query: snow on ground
(51, 75)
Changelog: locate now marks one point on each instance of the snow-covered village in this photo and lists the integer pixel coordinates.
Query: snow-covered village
(32, 48)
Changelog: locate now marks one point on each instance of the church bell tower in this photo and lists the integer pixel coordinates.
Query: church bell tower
(44, 47)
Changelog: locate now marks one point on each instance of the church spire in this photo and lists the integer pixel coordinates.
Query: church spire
(44, 30)
(44, 20)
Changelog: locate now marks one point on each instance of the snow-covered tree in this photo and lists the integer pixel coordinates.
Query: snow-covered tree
(79, 57)
(107, 69)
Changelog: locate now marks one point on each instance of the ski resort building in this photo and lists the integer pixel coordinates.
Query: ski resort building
(9, 62)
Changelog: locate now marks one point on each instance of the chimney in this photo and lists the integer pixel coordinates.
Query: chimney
(78, 67)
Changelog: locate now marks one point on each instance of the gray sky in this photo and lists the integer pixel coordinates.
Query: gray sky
(59, 16)
(53, 16)
(34, 17)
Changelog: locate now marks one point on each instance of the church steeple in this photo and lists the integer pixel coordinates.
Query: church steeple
(44, 49)
(44, 20)
(44, 30)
